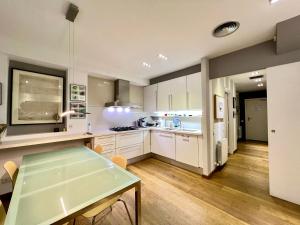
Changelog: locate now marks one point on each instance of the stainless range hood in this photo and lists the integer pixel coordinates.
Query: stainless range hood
(122, 96)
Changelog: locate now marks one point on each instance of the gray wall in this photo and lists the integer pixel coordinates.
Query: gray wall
(249, 59)
(288, 35)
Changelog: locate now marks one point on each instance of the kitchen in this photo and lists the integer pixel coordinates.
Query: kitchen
(114, 113)
(170, 122)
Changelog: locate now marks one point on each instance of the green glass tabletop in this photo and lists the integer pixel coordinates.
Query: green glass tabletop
(53, 185)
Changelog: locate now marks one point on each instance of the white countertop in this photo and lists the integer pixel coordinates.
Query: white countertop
(69, 137)
(177, 131)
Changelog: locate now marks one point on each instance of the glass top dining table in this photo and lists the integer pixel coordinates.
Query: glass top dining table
(52, 187)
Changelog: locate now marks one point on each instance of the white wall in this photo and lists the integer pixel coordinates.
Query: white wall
(218, 128)
(232, 142)
(100, 92)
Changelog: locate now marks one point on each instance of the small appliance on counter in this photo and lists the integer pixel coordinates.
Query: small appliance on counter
(146, 122)
(142, 122)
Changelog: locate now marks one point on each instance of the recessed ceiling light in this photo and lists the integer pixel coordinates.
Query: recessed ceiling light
(26, 81)
(147, 65)
(273, 1)
(258, 80)
(161, 56)
(260, 85)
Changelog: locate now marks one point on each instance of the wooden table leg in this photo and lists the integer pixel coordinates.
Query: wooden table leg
(138, 204)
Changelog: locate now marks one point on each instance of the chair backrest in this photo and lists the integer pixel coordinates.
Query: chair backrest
(120, 161)
(2, 214)
(12, 170)
(99, 149)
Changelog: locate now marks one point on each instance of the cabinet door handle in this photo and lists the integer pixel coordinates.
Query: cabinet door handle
(166, 136)
(273, 131)
(186, 140)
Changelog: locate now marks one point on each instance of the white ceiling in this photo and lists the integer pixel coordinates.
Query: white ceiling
(114, 37)
(244, 84)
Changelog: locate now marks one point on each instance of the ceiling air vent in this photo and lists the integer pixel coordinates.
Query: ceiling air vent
(226, 29)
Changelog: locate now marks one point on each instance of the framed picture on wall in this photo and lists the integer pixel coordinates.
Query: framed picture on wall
(219, 107)
(80, 110)
(77, 92)
(36, 98)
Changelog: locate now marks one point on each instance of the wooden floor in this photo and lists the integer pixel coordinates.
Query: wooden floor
(237, 194)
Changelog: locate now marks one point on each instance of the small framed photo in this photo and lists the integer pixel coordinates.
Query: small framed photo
(80, 110)
(77, 92)
(219, 107)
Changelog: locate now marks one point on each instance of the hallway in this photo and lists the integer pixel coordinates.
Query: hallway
(247, 170)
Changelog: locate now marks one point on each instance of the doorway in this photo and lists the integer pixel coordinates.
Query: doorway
(256, 119)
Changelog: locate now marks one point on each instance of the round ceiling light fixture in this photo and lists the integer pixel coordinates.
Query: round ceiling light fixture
(226, 29)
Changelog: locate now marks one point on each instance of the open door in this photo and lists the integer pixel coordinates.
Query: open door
(284, 131)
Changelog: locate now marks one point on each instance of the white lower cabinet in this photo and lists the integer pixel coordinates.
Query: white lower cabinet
(128, 139)
(108, 144)
(131, 151)
(180, 147)
(130, 145)
(163, 143)
(187, 149)
(109, 153)
(147, 142)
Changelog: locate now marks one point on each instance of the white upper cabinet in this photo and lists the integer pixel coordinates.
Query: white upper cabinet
(164, 96)
(183, 93)
(178, 94)
(194, 92)
(150, 98)
(172, 95)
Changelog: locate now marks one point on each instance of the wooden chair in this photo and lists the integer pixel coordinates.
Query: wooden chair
(122, 162)
(99, 149)
(2, 214)
(12, 170)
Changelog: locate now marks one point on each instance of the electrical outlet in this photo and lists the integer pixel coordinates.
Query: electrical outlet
(5, 180)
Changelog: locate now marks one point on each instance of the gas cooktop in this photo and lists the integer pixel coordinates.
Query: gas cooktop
(118, 129)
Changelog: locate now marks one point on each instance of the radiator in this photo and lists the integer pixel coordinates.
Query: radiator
(222, 152)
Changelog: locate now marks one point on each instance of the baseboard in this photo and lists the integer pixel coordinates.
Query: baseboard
(139, 158)
(173, 162)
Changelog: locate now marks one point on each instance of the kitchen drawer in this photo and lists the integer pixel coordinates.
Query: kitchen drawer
(131, 152)
(108, 147)
(105, 140)
(109, 153)
(128, 139)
